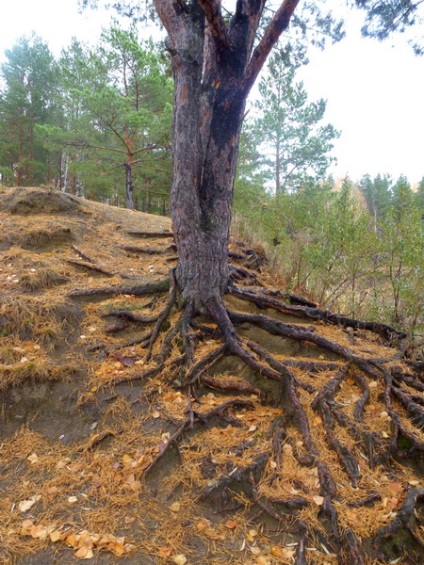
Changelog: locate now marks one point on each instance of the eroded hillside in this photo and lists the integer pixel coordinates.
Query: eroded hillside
(111, 455)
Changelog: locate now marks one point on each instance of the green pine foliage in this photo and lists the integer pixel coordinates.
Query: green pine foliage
(97, 122)
(295, 145)
(329, 243)
(27, 98)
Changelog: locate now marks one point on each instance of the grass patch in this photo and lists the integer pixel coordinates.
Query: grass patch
(42, 278)
(42, 319)
(54, 235)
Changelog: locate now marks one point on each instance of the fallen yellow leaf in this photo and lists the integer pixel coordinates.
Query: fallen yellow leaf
(56, 535)
(52, 490)
(276, 551)
(84, 553)
(85, 539)
(26, 527)
(179, 559)
(395, 488)
(105, 540)
(62, 463)
(25, 505)
(39, 532)
(117, 549)
(165, 551)
(394, 501)
(71, 540)
(126, 459)
(351, 515)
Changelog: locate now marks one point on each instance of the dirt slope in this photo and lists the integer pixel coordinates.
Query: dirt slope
(104, 459)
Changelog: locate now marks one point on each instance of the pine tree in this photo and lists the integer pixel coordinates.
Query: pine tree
(30, 79)
(289, 129)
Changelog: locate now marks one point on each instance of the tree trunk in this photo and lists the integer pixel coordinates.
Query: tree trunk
(129, 189)
(73, 184)
(278, 188)
(19, 180)
(207, 124)
(214, 67)
(201, 218)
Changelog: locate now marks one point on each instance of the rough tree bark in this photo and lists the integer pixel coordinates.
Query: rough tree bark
(214, 64)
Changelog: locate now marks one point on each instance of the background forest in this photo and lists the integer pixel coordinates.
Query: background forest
(97, 123)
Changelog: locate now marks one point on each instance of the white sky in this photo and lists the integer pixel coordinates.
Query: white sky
(375, 91)
(375, 95)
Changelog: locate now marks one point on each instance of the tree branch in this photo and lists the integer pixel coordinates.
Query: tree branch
(279, 23)
(86, 145)
(169, 13)
(212, 10)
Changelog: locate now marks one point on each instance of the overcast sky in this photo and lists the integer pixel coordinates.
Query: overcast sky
(375, 91)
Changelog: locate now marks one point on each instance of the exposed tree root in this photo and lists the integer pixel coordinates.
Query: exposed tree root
(263, 301)
(146, 289)
(150, 234)
(300, 389)
(196, 418)
(83, 254)
(249, 257)
(404, 518)
(91, 267)
(369, 500)
(92, 264)
(148, 250)
(239, 386)
(97, 439)
(245, 275)
(128, 315)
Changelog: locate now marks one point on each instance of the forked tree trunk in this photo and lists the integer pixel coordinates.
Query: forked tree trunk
(206, 130)
(214, 67)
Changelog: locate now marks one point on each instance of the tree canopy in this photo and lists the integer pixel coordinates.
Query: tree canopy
(383, 18)
(288, 129)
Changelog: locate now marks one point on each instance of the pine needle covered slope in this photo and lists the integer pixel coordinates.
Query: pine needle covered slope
(308, 450)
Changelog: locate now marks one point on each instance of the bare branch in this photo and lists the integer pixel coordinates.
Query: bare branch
(151, 148)
(86, 145)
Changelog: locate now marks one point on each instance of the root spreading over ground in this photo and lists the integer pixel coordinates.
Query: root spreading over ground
(268, 431)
